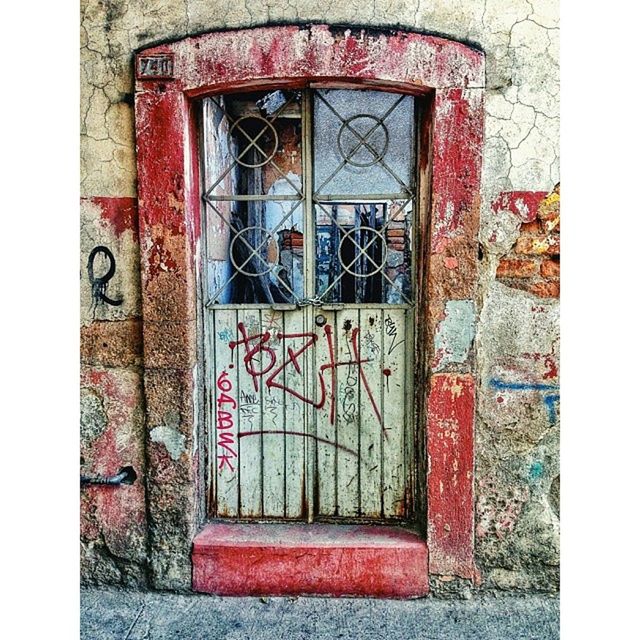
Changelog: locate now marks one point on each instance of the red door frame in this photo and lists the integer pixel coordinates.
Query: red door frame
(169, 77)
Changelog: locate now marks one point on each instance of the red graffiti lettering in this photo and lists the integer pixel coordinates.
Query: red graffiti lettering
(225, 439)
(223, 398)
(257, 344)
(225, 459)
(252, 354)
(223, 383)
(225, 420)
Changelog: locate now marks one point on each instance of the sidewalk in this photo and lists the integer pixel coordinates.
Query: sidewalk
(108, 614)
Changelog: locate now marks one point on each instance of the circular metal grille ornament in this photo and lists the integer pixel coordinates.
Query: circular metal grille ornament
(361, 252)
(268, 155)
(373, 147)
(265, 235)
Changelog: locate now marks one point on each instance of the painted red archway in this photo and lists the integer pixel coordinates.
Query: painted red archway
(168, 79)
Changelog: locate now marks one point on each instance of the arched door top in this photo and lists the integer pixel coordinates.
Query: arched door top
(216, 61)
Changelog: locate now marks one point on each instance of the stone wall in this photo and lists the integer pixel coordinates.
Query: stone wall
(515, 342)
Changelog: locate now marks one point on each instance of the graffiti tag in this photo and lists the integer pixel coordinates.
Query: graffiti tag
(261, 361)
(225, 439)
(99, 283)
(550, 397)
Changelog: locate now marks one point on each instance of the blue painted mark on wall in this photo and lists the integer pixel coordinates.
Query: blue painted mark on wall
(550, 399)
(536, 470)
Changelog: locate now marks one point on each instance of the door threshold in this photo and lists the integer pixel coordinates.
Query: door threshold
(234, 559)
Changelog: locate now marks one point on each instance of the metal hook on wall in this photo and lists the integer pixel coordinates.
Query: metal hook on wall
(126, 475)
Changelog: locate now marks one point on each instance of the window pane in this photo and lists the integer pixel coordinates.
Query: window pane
(363, 252)
(363, 143)
(253, 194)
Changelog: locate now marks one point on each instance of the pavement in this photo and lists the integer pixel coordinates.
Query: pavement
(116, 614)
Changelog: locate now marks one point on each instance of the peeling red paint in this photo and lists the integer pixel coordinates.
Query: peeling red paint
(450, 418)
(118, 513)
(170, 208)
(523, 204)
(229, 58)
(121, 214)
(160, 259)
(549, 362)
(457, 149)
(334, 560)
(110, 386)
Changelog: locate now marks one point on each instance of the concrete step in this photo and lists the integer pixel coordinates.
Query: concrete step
(310, 559)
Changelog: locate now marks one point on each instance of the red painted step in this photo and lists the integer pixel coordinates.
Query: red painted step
(310, 559)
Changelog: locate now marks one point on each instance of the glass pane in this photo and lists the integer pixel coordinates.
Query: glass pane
(363, 252)
(253, 193)
(363, 143)
(252, 141)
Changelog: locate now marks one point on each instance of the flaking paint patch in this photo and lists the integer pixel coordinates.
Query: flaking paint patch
(172, 439)
(455, 334)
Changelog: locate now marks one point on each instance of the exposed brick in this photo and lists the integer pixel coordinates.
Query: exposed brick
(549, 289)
(547, 245)
(531, 227)
(517, 268)
(549, 211)
(111, 344)
(550, 268)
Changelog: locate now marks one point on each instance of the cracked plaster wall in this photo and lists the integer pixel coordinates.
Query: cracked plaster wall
(517, 523)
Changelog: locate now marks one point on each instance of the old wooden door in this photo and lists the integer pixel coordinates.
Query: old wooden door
(309, 206)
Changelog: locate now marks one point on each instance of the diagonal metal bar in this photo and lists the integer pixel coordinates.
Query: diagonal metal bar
(379, 268)
(237, 231)
(252, 141)
(279, 170)
(395, 286)
(381, 230)
(346, 123)
(363, 142)
(255, 250)
(331, 177)
(344, 233)
(380, 160)
(275, 229)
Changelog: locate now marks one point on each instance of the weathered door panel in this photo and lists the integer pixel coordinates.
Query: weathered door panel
(309, 335)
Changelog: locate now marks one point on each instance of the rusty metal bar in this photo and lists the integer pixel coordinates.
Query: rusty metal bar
(126, 475)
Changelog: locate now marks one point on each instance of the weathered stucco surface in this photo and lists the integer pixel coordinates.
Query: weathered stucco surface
(515, 341)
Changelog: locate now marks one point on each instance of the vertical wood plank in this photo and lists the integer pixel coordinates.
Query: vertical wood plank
(325, 424)
(224, 397)
(250, 419)
(395, 388)
(348, 415)
(273, 453)
(371, 408)
(294, 413)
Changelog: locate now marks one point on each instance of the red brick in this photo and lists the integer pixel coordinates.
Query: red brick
(534, 227)
(550, 268)
(517, 268)
(549, 289)
(319, 559)
(112, 344)
(546, 245)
